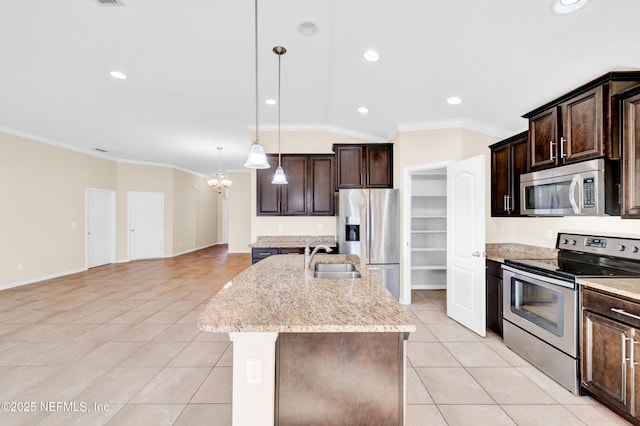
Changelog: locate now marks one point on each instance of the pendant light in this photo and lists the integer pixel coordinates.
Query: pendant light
(257, 159)
(279, 178)
(219, 182)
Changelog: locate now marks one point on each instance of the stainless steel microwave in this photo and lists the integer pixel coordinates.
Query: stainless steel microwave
(587, 188)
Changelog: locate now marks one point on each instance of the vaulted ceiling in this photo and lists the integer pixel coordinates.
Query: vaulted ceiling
(191, 70)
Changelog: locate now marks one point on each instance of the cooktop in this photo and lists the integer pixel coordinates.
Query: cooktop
(587, 256)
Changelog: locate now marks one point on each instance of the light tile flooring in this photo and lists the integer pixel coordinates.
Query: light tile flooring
(119, 344)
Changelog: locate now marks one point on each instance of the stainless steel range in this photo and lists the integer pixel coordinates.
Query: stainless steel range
(541, 299)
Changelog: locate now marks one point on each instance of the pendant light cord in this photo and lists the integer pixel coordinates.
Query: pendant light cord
(279, 150)
(256, 44)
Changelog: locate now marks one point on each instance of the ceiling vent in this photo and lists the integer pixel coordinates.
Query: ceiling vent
(110, 2)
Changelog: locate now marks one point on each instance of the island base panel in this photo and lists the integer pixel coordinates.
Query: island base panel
(339, 378)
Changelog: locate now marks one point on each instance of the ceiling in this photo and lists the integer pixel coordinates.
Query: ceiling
(191, 70)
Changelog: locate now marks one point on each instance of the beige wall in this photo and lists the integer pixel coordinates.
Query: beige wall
(240, 197)
(42, 215)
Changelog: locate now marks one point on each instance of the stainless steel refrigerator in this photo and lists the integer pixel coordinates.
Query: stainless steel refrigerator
(369, 226)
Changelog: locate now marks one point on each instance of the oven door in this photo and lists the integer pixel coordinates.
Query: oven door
(545, 307)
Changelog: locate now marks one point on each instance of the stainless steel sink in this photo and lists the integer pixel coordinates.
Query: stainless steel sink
(336, 270)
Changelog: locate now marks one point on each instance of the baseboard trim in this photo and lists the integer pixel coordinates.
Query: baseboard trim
(75, 271)
(42, 278)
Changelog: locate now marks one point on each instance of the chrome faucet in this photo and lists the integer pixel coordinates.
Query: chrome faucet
(309, 257)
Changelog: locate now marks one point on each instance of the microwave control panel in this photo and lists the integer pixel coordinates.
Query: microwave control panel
(589, 192)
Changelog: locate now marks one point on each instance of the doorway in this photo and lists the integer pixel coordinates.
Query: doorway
(146, 225)
(443, 230)
(100, 210)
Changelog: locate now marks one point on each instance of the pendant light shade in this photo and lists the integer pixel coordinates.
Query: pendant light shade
(279, 177)
(257, 159)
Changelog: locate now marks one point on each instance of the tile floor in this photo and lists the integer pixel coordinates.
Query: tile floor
(119, 345)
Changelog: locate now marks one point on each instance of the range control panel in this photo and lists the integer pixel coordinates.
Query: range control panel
(606, 246)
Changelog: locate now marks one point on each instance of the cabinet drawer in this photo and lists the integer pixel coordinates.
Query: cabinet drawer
(292, 250)
(258, 254)
(613, 307)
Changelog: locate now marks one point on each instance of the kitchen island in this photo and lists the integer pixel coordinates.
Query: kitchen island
(312, 350)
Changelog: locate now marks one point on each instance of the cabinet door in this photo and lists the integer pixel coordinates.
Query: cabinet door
(518, 157)
(294, 194)
(631, 157)
(322, 193)
(500, 180)
(349, 163)
(494, 297)
(604, 367)
(268, 197)
(379, 166)
(543, 139)
(582, 128)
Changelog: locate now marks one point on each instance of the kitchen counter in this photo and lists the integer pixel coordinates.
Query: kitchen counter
(501, 251)
(291, 332)
(293, 241)
(279, 295)
(624, 287)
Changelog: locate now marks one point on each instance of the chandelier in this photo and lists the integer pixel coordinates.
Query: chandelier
(219, 182)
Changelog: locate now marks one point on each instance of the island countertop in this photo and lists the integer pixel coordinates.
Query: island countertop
(278, 295)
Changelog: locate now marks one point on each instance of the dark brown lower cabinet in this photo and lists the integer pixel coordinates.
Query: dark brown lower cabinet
(610, 340)
(494, 296)
(339, 379)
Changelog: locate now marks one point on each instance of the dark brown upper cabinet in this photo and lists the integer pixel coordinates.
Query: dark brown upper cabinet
(364, 165)
(508, 162)
(310, 191)
(580, 125)
(630, 105)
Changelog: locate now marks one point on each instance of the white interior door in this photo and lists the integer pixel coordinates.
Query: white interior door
(466, 276)
(100, 210)
(146, 225)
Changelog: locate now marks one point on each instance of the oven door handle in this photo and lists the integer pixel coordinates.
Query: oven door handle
(544, 279)
(572, 194)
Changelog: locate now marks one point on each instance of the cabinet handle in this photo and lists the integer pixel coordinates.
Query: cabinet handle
(624, 367)
(551, 144)
(623, 312)
(509, 204)
(504, 203)
(562, 154)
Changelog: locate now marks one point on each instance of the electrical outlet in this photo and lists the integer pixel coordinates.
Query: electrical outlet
(254, 370)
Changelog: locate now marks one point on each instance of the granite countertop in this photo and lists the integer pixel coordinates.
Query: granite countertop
(624, 287)
(293, 241)
(278, 295)
(501, 251)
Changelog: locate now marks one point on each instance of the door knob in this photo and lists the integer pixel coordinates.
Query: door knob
(476, 254)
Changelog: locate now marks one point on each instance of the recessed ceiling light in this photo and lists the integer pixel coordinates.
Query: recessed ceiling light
(119, 75)
(363, 110)
(371, 56)
(270, 102)
(563, 7)
(454, 100)
(308, 29)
